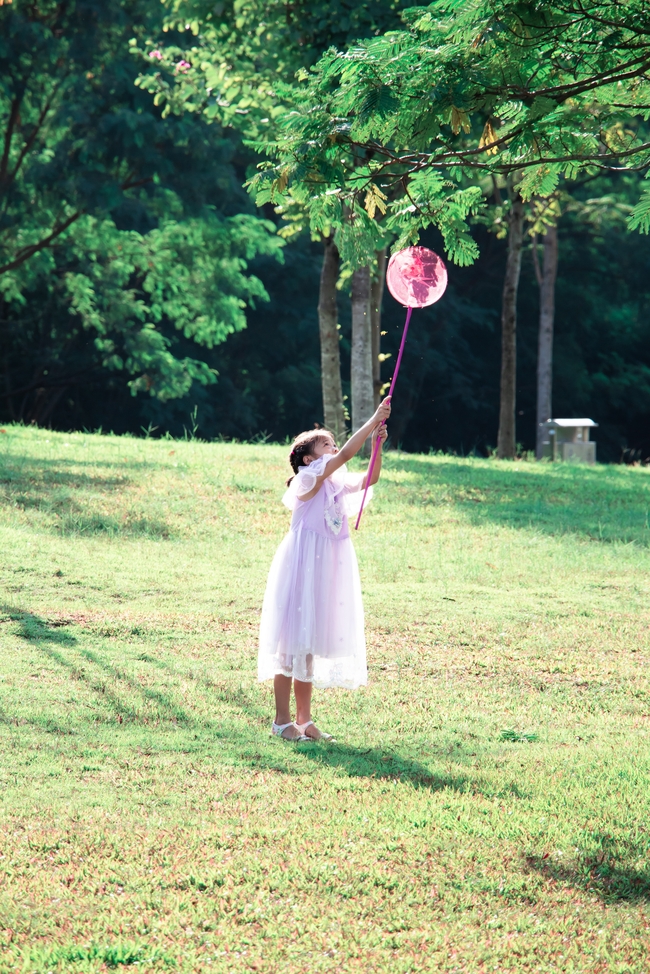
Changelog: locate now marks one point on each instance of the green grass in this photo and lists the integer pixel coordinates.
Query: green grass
(487, 807)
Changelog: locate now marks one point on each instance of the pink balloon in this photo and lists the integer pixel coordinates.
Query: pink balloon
(416, 277)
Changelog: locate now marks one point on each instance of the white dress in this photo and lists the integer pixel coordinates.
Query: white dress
(312, 616)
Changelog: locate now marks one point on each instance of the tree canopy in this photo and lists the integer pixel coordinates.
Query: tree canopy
(121, 226)
(232, 61)
(410, 123)
(130, 250)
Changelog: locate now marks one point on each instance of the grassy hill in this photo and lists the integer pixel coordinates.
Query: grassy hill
(486, 806)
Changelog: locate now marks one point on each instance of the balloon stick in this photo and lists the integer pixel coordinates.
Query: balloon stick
(373, 458)
(416, 277)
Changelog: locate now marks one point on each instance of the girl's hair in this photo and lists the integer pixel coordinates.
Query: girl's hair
(303, 444)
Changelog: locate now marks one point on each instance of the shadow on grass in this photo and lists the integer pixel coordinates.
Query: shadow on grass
(37, 630)
(163, 701)
(46, 487)
(40, 721)
(604, 874)
(16, 467)
(595, 503)
(375, 763)
(42, 634)
(50, 638)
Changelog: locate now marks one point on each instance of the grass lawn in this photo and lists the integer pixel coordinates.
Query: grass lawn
(487, 805)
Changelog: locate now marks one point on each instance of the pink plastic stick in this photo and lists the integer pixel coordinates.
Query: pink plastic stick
(390, 393)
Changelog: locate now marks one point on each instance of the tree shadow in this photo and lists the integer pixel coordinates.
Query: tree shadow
(36, 629)
(595, 503)
(40, 468)
(42, 633)
(604, 873)
(51, 639)
(46, 486)
(154, 661)
(40, 721)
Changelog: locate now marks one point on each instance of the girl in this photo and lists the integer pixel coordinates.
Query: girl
(312, 617)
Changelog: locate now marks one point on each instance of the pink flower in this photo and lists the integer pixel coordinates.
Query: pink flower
(183, 66)
(157, 55)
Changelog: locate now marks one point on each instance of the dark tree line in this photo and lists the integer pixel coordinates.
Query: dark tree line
(140, 286)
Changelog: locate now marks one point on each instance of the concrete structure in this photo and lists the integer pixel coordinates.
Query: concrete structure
(568, 439)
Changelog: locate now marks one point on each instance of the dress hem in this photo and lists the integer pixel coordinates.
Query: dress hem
(341, 685)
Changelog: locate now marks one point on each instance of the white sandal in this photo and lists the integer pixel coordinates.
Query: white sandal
(279, 729)
(323, 736)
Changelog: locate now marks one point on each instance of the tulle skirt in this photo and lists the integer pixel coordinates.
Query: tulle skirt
(312, 616)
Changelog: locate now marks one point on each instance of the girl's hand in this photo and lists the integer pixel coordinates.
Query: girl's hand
(379, 433)
(383, 411)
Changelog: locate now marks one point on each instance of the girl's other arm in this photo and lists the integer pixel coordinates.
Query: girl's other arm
(356, 441)
(379, 433)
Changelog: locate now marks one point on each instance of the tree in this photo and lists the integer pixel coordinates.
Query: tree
(236, 62)
(546, 278)
(361, 371)
(330, 361)
(108, 244)
(365, 373)
(239, 66)
(500, 88)
(506, 443)
(449, 397)
(376, 297)
(471, 89)
(111, 297)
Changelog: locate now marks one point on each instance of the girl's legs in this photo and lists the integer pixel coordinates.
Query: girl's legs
(282, 689)
(303, 701)
(303, 710)
(302, 690)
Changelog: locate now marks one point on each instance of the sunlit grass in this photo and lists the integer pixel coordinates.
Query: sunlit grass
(487, 805)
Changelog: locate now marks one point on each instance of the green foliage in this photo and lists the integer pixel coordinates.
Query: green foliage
(112, 223)
(236, 62)
(165, 189)
(640, 216)
(239, 66)
(469, 90)
(190, 274)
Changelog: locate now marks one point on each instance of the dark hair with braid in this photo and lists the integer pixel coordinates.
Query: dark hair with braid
(302, 446)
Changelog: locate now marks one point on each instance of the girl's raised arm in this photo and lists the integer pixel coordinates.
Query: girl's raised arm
(352, 447)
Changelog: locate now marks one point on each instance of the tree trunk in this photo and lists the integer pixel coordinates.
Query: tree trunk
(361, 350)
(506, 443)
(376, 295)
(547, 280)
(330, 358)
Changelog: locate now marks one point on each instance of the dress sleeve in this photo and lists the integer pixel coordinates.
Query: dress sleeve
(352, 494)
(303, 482)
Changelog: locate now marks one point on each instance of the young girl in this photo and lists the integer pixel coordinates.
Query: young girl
(312, 617)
